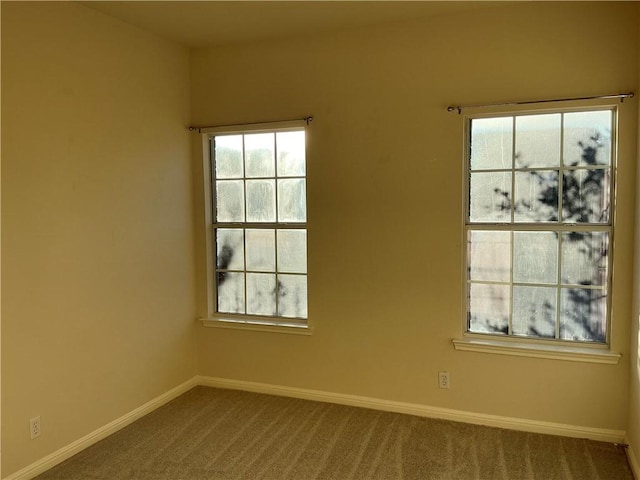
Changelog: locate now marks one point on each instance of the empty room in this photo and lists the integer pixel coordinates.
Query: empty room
(313, 240)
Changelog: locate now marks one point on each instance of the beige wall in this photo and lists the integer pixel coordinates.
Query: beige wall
(385, 201)
(633, 427)
(97, 246)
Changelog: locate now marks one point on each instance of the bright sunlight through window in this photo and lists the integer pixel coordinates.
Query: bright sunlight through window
(259, 228)
(538, 225)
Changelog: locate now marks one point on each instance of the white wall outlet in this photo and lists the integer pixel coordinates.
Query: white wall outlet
(443, 379)
(34, 427)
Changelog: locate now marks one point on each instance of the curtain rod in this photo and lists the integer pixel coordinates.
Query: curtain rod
(459, 108)
(307, 119)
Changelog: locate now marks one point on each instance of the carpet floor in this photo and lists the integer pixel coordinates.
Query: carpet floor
(214, 434)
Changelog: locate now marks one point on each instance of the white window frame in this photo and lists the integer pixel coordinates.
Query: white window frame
(214, 318)
(530, 346)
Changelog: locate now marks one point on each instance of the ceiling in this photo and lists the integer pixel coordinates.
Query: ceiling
(213, 23)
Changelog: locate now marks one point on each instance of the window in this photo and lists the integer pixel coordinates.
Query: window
(258, 228)
(539, 224)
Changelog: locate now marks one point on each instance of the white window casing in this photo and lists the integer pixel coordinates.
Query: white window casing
(538, 233)
(256, 226)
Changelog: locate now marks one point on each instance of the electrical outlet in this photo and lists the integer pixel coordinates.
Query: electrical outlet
(34, 427)
(443, 379)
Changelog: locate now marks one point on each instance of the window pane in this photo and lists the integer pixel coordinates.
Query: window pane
(538, 141)
(585, 196)
(228, 156)
(553, 169)
(491, 143)
(229, 201)
(587, 138)
(291, 154)
(259, 178)
(534, 311)
(292, 203)
(489, 308)
(230, 288)
(583, 314)
(259, 155)
(292, 296)
(261, 201)
(292, 251)
(261, 294)
(584, 258)
(490, 197)
(261, 250)
(489, 256)
(536, 198)
(535, 257)
(230, 249)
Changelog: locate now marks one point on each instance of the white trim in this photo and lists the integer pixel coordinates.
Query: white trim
(257, 327)
(110, 428)
(560, 225)
(208, 220)
(542, 350)
(633, 460)
(535, 426)
(208, 133)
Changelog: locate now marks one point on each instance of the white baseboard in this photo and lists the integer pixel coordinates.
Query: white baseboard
(53, 459)
(534, 426)
(73, 448)
(633, 461)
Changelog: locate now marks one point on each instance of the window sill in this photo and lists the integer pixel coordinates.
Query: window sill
(256, 327)
(553, 352)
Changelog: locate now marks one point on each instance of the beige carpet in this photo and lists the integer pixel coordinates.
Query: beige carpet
(216, 434)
